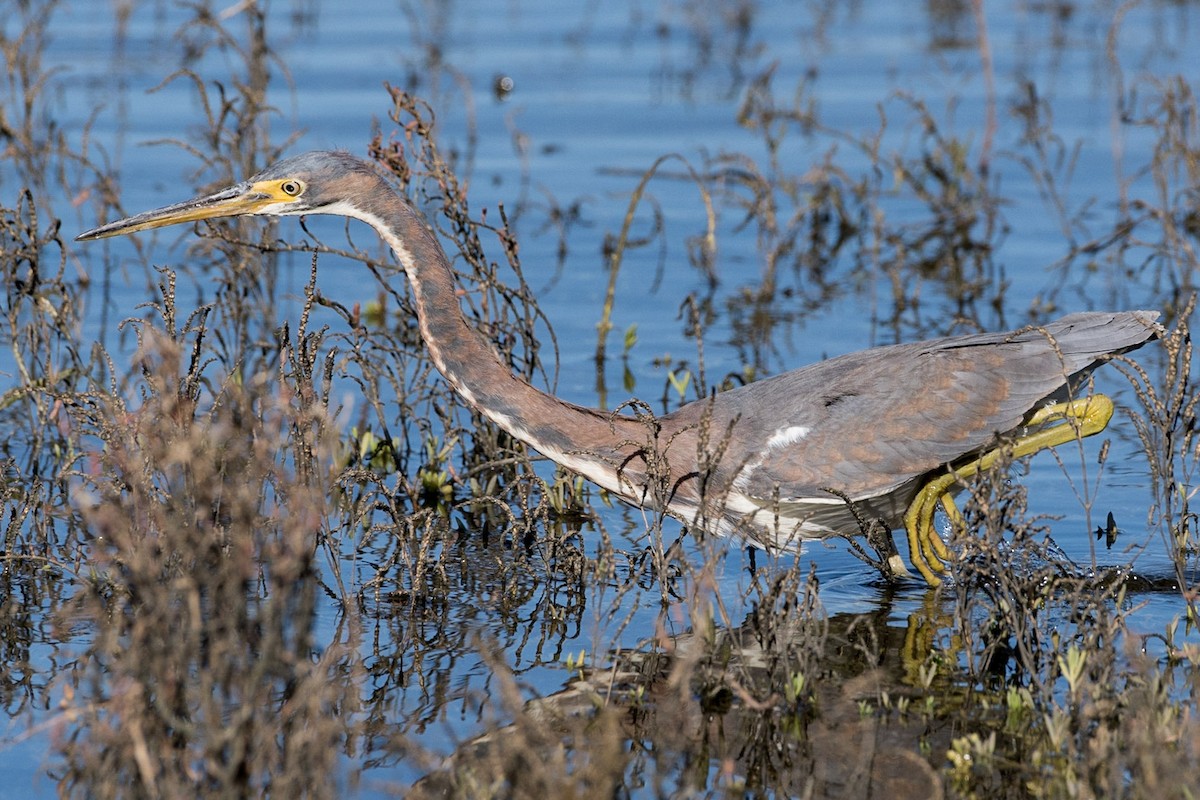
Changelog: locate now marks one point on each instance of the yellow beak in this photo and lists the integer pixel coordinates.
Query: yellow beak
(243, 198)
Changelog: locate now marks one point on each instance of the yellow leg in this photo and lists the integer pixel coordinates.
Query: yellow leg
(1049, 427)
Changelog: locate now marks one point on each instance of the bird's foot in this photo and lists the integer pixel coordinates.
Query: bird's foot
(1048, 427)
(926, 549)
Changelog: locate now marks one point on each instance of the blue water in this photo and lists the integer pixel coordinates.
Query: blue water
(601, 91)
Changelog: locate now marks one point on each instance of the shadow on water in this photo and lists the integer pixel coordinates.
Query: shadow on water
(792, 712)
(254, 545)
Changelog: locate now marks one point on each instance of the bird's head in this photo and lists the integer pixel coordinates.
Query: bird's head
(312, 183)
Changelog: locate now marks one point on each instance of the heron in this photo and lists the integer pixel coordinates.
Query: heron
(889, 433)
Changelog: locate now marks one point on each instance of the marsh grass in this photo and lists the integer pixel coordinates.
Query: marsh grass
(203, 674)
(265, 542)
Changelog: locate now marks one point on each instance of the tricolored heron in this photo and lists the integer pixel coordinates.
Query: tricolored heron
(886, 433)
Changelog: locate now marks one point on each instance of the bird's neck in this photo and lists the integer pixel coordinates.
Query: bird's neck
(593, 443)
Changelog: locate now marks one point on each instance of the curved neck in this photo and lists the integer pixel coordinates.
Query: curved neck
(588, 441)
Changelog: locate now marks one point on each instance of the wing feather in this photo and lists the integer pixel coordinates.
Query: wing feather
(880, 418)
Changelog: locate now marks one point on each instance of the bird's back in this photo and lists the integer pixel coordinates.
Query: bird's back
(871, 423)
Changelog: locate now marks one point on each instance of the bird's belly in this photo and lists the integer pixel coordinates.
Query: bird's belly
(785, 525)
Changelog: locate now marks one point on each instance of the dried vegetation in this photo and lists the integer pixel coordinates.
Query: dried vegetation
(221, 577)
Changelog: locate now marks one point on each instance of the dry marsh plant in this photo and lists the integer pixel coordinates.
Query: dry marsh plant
(203, 676)
(254, 552)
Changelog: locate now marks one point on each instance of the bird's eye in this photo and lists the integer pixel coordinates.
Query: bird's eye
(292, 188)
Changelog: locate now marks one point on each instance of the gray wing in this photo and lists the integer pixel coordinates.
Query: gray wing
(868, 422)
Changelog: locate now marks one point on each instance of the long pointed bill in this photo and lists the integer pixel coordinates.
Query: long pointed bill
(243, 198)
